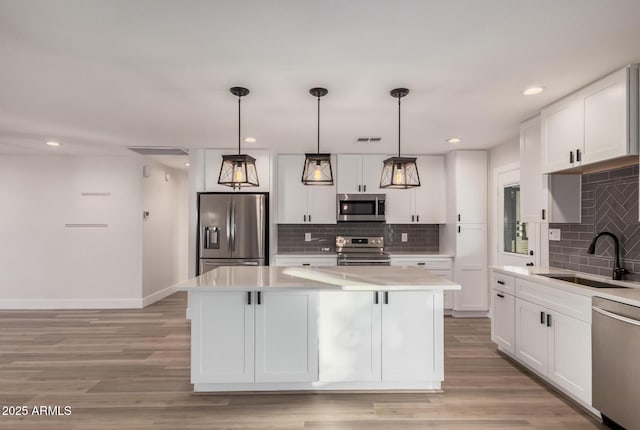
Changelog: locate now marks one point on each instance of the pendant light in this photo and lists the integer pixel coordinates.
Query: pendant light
(238, 170)
(317, 166)
(399, 172)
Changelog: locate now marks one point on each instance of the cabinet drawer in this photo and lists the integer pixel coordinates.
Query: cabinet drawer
(305, 261)
(570, 304)
(427, 263)
(503, 282)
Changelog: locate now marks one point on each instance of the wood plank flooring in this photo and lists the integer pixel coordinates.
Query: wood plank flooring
(129, 369)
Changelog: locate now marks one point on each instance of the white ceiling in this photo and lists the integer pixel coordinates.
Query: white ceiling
(92, 73)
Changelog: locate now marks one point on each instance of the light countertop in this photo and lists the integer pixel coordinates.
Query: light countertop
(630, 295)
(416, 254)
(348, 278)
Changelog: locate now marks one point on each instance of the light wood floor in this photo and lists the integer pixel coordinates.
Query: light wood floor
(129, 369)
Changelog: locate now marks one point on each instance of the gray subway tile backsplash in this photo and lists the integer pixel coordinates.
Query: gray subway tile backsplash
(421, 237)
(609, 202)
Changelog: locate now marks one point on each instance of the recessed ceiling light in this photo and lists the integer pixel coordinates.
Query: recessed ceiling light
(250, 140)
(53, 143)
(454, 140)
(532, 91)
(187, 164)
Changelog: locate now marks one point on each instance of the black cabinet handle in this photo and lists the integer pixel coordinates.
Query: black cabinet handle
(500, 295)
(359, 188)
(305, 218)
(422, 263)
(530, 264)
(375, 297)
(570, 156)
(548, 320)
(364, 188)
(578, 155)
(412, 218)
(309, 217)
(386, 297)
(417, 218)
(544, 214)
(458, 217)
(248, 297)
(501, 282)
(259, 298)
(541, 317)
(306, 264)
(458, 229)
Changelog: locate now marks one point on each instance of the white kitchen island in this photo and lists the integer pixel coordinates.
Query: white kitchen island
(316, 328)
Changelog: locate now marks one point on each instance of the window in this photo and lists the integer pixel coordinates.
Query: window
(515, 231)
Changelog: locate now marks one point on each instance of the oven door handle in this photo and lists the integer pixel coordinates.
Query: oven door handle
(616, 316)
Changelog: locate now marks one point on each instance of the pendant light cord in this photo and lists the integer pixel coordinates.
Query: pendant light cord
(318, 124)
(399, 126)
(239, 135)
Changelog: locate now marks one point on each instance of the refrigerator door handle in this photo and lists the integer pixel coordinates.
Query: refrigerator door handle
(233, 225)
(229, 229)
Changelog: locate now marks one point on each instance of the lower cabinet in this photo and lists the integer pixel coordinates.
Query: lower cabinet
(254, 337)
(439, 266)
(503, 320)
(380, 336)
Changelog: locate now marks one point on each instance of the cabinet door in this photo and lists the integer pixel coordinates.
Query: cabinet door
(399, 206)
(292, 193)
(471, 268)
(503, 320)
(531, 335)
(224, 324)
(410, 352)
(287, 337)
(471, 186)
(533, 184)
(562, 132)
(322, 201)
(349, 173)
(605, 118)
(569, 346)
(349, 331)
(430, 199)
(371, 171)
(213, 162)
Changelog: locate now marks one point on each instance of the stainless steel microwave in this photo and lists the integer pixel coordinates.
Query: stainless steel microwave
(360, 207)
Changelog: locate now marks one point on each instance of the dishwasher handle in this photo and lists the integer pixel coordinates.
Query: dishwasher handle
(616, 316)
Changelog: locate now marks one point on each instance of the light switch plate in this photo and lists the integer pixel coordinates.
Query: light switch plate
(307, 237)
(405, 237)
(554, 234)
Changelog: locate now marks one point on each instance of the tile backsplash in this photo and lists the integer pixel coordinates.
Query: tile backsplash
(421, 237)
(609, 203)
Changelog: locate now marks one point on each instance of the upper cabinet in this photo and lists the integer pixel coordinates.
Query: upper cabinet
(425, 204)
(466, 186)
(299, 203)
(213, 162)
(598, 123)
(359, 173)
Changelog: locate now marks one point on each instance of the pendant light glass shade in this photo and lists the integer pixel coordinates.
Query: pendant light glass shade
(238, 170)
(317, 167)
(399, 172)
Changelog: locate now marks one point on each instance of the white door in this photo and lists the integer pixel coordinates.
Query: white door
(429, 198)
(471, 268)
(605, 118)
(349, 336)
(533, 184)
(321, 201)
(517, 240)
(399, 206)
(371, 172)
(287, 337)
(570, 355)
(503, 320)
(222, 334)
(562, 134)
(292, 193)
(531, 335)
(410, 320)
(349, 173)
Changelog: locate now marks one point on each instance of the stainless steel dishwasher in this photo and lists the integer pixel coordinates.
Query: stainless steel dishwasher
(615, 344)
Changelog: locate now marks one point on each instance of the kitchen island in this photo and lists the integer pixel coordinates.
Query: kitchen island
(316, 328)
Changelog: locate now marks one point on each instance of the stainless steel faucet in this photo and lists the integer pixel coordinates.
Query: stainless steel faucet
(618, 272)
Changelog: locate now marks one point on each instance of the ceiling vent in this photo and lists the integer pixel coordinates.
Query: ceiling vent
(367, 140)
(158, 150)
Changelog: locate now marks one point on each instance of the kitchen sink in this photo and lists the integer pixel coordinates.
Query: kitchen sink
(582, 281)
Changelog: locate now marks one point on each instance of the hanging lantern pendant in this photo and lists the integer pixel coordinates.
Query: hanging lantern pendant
(399, 172)
(317, 167)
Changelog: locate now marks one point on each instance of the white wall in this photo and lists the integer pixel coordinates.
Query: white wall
(43, 263)
(165, 240)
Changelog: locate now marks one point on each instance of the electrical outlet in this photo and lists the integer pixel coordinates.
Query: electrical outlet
(554, 234)
(405, 237)
(307, 237)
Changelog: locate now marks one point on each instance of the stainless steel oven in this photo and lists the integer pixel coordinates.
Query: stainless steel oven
(360, 207)
(361, 251)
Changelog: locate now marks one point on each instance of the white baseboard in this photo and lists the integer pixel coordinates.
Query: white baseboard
(18, 304)
(158, 295)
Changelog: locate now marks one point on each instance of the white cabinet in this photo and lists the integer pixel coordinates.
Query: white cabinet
(213, 162)
(298, 203)
(598, 123)
(286, 339)
(305, 260)
(531, 335)
(471, 268)
(425, 204)
(467, 183)
(380, 336)
(503, 320)
(359, 173)
(254, 337)
(545, 198)
(439, 266)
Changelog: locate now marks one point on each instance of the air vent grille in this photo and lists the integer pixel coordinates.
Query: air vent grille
(158, 150)
(367, 140)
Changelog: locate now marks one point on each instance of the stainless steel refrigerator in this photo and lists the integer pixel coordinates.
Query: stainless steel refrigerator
(232, 230)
